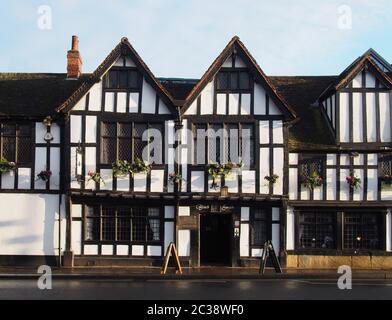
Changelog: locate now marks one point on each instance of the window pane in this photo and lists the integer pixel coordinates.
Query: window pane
(122, 79)
(124, 224)
(234, 80)
(24, 150)
(222, 81)
(109, 129)
(108, 150)
(259, 232)
(153, 230)
(307, 238)
(199, 144)
(92, 224)
(231, 143)
(215, 143)
(156, 143)
(109, 145)
(112, 81)
(124, 141)
(9, 144)
(133, 79)
(153, 212)
(108, 224)
(244, 81)
(362, 231)
(317, 230)
(139, 144)
(138, 228)
(9, 130)
(247, 145)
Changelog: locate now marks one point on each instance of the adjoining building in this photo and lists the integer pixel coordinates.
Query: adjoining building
(85, 182)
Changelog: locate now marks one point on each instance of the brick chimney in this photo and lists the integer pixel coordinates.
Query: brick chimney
(74, 60)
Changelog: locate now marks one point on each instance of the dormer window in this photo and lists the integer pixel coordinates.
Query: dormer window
(123, 79)
(233, 81)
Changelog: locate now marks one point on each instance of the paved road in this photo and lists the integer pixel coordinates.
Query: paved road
(195, 289)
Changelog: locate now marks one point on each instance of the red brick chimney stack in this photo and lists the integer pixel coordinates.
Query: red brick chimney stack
(74, 60)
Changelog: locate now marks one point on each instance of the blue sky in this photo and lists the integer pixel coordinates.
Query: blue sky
(181, 38)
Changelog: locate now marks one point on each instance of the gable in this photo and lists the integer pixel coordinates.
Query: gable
(366, 79)
(260, 98)
(121, 84)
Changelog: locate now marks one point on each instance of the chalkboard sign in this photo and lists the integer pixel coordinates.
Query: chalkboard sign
(171, 251)
(269, 252)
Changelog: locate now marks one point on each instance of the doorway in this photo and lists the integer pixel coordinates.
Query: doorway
(215, 239)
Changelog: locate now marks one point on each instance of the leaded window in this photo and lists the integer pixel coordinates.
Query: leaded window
(385, 165)
(317, 230)
(15, 143)
(233, 81)
(123, 79)
(259, 224)
(92, 225)
(362, 231)
(310, 165)
(123, 224)
(129, 141)
(223, 143)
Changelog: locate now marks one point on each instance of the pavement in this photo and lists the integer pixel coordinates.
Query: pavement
(154, 273)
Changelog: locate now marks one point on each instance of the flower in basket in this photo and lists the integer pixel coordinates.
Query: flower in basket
(47, 121)
(121, 168)
(216, 170)
(175, 178)
(139, 166)
(6, 166)
(353, 181)
(272, 179)
(313, 181)
(44, 175)
(386, 181)
(95, 176)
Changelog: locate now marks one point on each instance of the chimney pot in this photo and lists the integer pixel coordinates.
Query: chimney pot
(75, 43)
(74, 60)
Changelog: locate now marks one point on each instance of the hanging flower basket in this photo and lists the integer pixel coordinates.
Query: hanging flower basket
(386, 181)
(217, 170)
(272, 179)
(353, 181)
(47, 121)
(175, 178)
(123, 167)
(6, 166)
(313, 181)
(96, 177)
(44, 175)
(139, 166)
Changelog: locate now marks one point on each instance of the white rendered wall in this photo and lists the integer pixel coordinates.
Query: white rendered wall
(29, 224)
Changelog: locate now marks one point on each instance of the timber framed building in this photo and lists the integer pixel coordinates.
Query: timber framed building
(326, 139)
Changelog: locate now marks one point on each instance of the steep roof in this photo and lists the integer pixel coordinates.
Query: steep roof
(311, 131)
(34, 94)
(178, 88)
(123, 48)
(369, 60)
(235, 45)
